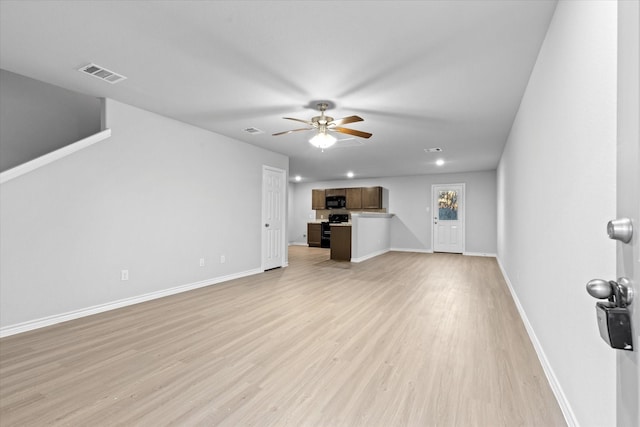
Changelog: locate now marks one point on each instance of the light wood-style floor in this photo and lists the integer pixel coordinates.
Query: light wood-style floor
(404, 339)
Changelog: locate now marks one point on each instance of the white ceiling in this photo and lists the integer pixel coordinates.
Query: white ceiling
(422, 74)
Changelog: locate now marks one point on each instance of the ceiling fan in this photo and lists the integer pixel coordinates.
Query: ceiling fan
(325, 124)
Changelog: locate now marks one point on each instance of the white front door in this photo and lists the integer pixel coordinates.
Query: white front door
(628, 203)
(273, 211)
(448, 217)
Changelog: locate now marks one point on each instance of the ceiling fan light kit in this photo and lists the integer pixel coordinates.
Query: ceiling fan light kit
(324, 124)
(322, 140)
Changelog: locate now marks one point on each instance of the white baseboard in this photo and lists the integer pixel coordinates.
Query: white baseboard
(479, 254)
(420, 251)
(63, 317)
(298, 244)
(563, 402)
(369, 256)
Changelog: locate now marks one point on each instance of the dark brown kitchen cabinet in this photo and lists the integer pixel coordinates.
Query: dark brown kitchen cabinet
(341, 242)
(372, 198)
(335, 192)
(317, 199)
(354, 198)
(314, 235)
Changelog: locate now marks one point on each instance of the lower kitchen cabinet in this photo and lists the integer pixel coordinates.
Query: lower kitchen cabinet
(314, 234)
(341, 242)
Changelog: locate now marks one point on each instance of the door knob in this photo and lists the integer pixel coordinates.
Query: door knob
(619, 292)
(599, 289)
(266, 225)
(620, 229)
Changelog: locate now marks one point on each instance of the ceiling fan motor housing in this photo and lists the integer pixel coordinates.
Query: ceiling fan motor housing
(326, 123)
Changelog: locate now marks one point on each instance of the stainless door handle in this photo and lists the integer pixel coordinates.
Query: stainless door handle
(266, 225)
(621, 290)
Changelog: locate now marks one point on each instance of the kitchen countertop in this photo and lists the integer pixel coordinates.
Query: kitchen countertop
(339, 224)
(372, 215)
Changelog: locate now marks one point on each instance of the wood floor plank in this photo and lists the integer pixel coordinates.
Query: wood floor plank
(404, 339)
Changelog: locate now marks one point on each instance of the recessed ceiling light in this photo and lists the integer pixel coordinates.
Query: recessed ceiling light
(433, 150)
(439, 162)
(298, 178)
(350, 174)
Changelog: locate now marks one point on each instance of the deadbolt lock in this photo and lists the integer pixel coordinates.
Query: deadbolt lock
(620, 229)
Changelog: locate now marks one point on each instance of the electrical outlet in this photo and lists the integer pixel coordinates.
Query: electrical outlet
(201, 262)
(223, 259)
(124, 275)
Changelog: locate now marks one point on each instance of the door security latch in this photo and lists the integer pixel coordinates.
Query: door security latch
(614, 318)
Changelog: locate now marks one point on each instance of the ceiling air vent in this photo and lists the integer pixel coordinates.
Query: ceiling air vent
(433, 150)
(253, 131)
(102, 73)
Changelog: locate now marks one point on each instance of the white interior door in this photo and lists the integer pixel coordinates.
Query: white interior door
(628, 203)
(448, 218)
(273, 211)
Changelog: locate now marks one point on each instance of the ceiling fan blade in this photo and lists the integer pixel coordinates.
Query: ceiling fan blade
(289, 131)
(352, 132)
(310, 123)
(345, 120)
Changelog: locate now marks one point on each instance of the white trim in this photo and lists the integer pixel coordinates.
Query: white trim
(421, 251)
(53, 156)
(298, 244)
(63, 317)
(563, 402)
(479, 254)
(371, 255)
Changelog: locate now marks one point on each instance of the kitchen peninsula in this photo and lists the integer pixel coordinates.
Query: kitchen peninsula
(352, 222)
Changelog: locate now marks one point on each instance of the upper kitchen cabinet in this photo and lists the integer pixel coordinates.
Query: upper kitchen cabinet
(317, 199)
(372, 198)
(335, 192)
(354, 198)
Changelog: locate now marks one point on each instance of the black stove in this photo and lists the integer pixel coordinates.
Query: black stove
(338, 218)
(325, 236)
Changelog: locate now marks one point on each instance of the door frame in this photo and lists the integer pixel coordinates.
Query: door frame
(463, 215)
(283, 221)
(628, 202)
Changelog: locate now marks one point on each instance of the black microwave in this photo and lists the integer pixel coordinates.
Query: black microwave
(335, 202)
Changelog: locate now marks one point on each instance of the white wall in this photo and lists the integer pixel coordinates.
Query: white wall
(556, 192)
(37, 118)
(154, 198)
(409, 198)
(370, 236)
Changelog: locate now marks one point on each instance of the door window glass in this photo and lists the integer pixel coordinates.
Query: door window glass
(448, 206)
